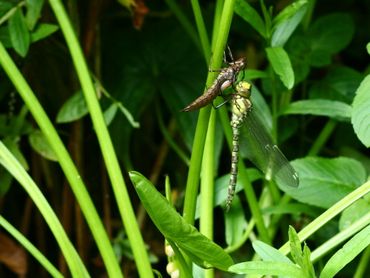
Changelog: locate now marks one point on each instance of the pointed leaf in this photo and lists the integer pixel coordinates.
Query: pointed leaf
(295, 246)
(250, 15)
(267, 268)
(202, 250)
(287, 21)
(73, 109)
(42, 31)
(361, 112)
(346, 254)
(33, 12)
(320, 107)
(269, 253)
(280, 62)
(19, 35)
(39, 143)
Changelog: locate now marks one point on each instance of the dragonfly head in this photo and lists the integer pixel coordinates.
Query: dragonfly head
(240, 63)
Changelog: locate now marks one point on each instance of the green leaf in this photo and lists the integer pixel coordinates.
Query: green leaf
(299, 51)
(307, 264)
(73, 109)
(39, 143)
(353, 213)
(251, 74)
(320, 107)
(280, 62)
(361, 112)
(19, 35)
(295, 246)
(269, 253)
(250, 15)
(339, 84)
(287, 21)
(201, 249)
(368, 48)
(235, 222)
(267, 268)
(324, 181)
(42, 31)
(110, 113)
(328, 35)
(346, 254)
(33, 12)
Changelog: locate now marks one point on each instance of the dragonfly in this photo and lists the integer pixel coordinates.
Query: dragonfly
(227, 77)
(264, 153)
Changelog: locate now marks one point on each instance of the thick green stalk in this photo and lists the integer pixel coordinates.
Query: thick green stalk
(201, 28)
(208, 185)
(201, 129)
(105, 142)
(65, 161)
(329, 214)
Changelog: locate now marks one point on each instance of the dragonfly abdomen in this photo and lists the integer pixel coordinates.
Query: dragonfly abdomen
(241, 105)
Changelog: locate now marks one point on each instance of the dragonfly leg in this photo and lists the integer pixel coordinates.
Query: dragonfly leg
(226, 99)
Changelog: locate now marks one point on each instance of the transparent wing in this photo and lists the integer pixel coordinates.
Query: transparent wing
(265, 154)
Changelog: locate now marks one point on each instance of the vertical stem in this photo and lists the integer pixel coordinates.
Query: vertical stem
(322, 138)
(201, 129)
(208, 184)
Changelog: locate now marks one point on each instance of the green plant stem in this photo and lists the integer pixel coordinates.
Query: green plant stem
(30, 248)
(201, 29)
(329, 214)
(11, 164)
(322, 138)
(243, 239)
(363, 264)
(216, 20)
(208, 185)
(202, 124)
(105, 142)
(340, 237)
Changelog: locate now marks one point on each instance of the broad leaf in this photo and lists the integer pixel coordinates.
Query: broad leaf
(328, 35)
(280, 62)
(339, 84)
(19, 35)
(73, 109)
(361, 112)
(325, 181)
(39, 143)
(42, 31)
(320, 107)
(250, 15)
(175, 228)
(287, 21)
(350, 250)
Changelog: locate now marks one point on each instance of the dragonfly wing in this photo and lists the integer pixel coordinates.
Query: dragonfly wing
(265, 154)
